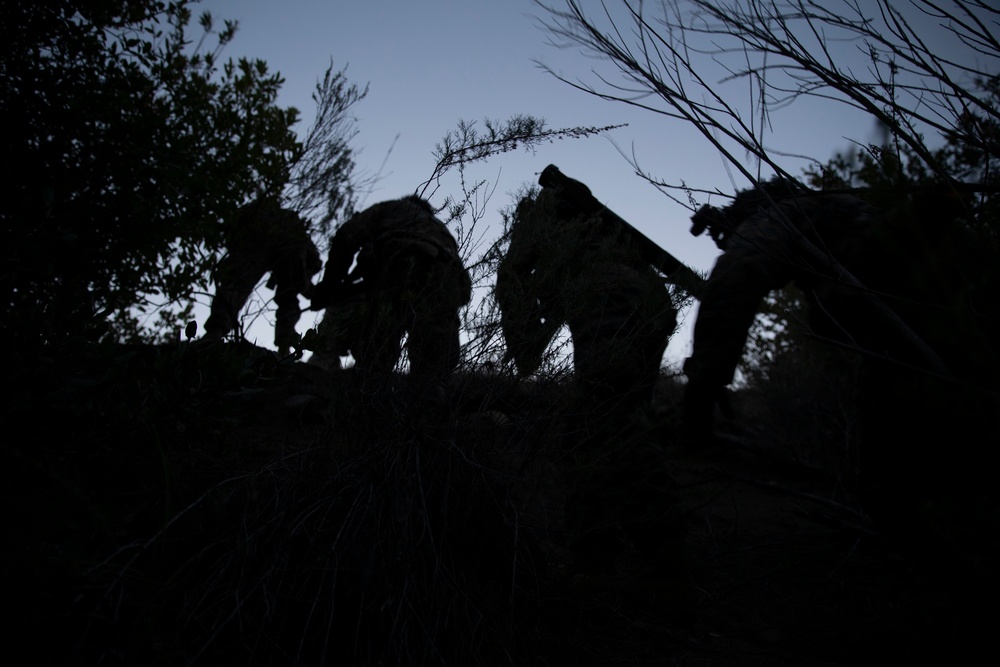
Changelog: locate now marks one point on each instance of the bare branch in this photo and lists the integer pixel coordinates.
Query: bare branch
(789, 50)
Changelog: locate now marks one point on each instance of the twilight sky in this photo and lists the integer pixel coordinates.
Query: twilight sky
(433, 62)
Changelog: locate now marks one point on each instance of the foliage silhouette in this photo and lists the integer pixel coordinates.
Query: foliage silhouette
(129, 147)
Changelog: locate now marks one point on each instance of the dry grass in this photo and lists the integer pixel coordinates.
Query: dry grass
(198, 513)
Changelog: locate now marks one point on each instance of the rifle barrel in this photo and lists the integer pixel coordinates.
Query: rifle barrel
(675, 270)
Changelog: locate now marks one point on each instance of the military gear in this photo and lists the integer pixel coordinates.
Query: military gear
(711, 219)
(827, 245)
(576, 199)
(408, 279)
(265, 238)
(720, 223)
(572, 262)
(907, 287)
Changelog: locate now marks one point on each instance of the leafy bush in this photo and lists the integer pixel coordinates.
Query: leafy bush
(125, 147)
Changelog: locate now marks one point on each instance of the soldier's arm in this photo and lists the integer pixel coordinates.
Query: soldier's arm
(755, 264)
(730, 298)
(343, 247)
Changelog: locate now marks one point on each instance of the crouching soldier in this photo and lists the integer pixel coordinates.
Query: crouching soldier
(858, 267)
(572, 261)
(265, 238)
(907, 288)
(407, 279)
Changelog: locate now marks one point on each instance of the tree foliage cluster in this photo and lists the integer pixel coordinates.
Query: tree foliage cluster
(322, 185)
(128, 146)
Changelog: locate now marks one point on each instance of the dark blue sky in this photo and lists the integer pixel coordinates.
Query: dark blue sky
(433, 62)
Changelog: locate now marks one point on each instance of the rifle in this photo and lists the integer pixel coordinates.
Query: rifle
(333, 293)
(579, 197)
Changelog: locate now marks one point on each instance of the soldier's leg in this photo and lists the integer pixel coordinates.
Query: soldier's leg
(624, 500)
(596, 501)
(624, 516)
(433, 346)
(333, 342)
(616, 359)
(287, 301)
(379, 343)
(235, 281)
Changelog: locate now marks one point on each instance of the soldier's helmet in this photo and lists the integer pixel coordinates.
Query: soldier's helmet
(722, 222)
(715, 221)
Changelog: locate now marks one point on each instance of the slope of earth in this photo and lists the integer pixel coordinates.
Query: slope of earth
(179, 507)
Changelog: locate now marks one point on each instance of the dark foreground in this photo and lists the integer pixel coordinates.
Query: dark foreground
(167, 507)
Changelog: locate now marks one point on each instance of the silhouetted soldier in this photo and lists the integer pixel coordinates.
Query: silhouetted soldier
(882, 283)
(572, 261)
(265, 238)
(909, 290)
(408, 279)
